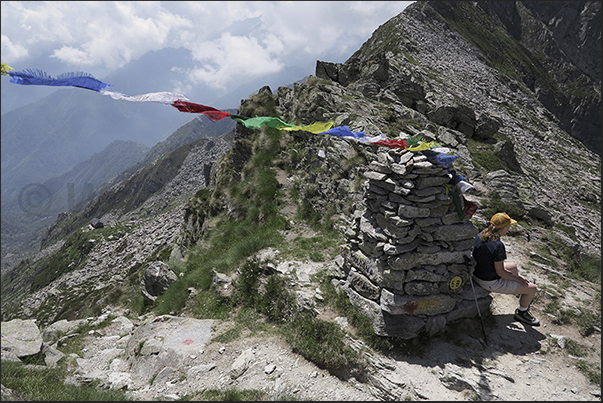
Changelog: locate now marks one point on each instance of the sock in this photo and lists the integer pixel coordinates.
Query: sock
(522, 309)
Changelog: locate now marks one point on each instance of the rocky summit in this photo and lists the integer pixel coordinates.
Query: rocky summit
(216, 258)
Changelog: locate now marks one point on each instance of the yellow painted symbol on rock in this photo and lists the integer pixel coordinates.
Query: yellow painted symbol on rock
(455, 282)
(428, 304)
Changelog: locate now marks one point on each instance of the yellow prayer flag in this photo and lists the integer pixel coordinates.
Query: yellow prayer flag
(5, 69)
(316, 127)
(422, 146)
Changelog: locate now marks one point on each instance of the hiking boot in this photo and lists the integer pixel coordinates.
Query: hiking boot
(526, 317)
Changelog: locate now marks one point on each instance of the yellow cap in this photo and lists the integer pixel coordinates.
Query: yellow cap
(501, 220)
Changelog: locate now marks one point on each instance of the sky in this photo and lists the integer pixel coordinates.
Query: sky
(228, 39)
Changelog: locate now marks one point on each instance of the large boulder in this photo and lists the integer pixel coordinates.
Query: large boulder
(156, 280)
(61, 328)
(166, 341)
(21, 337)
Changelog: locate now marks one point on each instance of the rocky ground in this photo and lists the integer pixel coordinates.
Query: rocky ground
(512, 361)
(509, 362)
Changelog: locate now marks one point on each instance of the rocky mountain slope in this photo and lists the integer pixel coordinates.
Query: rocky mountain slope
(492, 99)
(509, 362)
(25, 221)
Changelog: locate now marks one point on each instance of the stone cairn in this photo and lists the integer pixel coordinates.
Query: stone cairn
(407, 259)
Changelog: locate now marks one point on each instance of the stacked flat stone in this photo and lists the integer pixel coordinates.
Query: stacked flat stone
(408, 255)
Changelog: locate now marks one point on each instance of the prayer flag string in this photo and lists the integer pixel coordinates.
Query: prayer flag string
(180, 102)
(183, 104)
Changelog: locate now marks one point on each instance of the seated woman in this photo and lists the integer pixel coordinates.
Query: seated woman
(495, 274)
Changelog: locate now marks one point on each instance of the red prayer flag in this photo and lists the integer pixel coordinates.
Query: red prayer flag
(212, 113)
(469, 207)
(392, 143)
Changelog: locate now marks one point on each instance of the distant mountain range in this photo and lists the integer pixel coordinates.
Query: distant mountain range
(25, 221)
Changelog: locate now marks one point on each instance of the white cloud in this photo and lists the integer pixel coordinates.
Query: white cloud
(10, 51)
(121, 32)
(107, 34)
(42, 21)
(229, 39)
(71, 55)
(230, 57)
(281, 33)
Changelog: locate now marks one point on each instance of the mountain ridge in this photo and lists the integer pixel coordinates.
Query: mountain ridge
(291, 199)
(540, 200)
(39, 204)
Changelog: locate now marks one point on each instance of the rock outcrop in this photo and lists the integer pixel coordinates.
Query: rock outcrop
(20, 339)
(157, 278)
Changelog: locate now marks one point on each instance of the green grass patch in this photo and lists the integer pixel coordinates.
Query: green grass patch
(586, 318)
(231, 242)
(591, 370)
(586, 267)
(269, 296)
(235, 242)
(237, 395)
(247, 321)
(577, 264)
(318, 248)
(265, 303)
(576, 349)
(562, 316)
(70, 257)
(210, 304)
(277, 303)
(48, 385)
(324, 344)
(484, 156)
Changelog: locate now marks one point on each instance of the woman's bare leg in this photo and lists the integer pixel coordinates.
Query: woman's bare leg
(527, 292)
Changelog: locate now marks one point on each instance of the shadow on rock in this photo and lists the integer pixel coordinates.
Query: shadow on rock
(514, 337)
